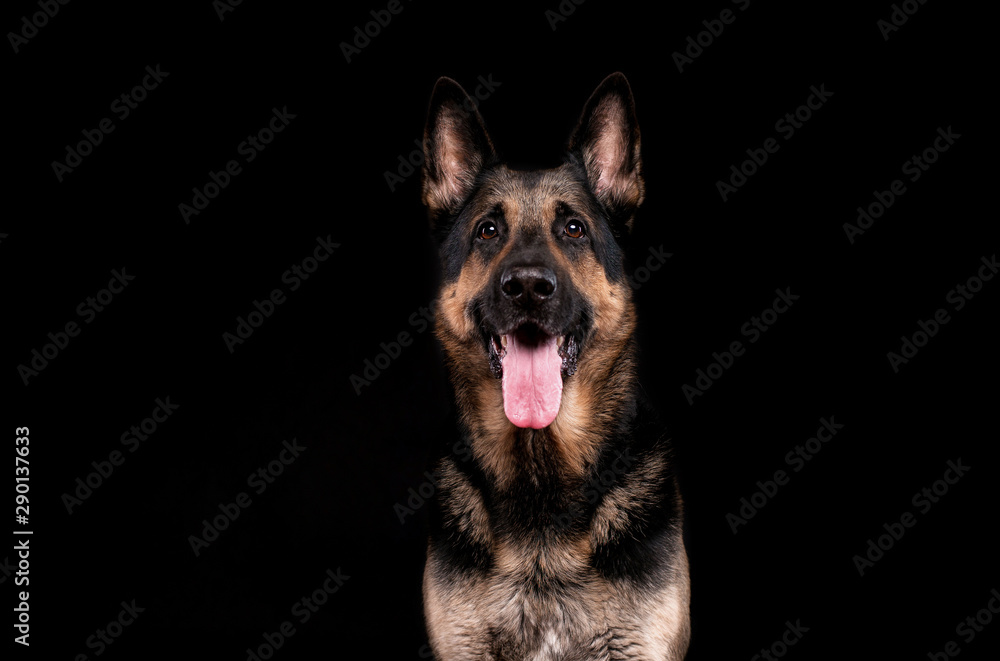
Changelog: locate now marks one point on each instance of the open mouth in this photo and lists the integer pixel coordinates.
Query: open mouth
(532, 363)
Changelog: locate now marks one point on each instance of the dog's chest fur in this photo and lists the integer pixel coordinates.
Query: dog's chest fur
(538, 594)
(513, 614)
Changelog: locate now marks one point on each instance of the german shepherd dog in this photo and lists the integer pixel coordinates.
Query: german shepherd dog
(555, 534)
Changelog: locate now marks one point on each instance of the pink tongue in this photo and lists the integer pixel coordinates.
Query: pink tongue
(532, 382)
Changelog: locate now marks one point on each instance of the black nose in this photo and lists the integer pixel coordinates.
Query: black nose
(528, 285)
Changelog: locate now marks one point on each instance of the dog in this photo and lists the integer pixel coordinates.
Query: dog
(555, 532)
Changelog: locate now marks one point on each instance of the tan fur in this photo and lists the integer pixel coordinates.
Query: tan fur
(465, 509)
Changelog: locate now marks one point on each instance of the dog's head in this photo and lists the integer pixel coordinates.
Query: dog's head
(534, 293)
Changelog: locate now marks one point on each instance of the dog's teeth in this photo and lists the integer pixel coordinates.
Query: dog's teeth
(503, 341)
(560, 340)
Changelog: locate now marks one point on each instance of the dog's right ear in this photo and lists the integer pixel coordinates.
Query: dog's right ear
(456, 149)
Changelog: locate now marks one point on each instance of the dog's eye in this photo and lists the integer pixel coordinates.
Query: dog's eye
(488, 230)
(574, 229)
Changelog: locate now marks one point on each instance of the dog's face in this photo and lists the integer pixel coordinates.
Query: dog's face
(534, 294)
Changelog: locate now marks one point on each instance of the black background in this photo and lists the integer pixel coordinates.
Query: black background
(324, 176)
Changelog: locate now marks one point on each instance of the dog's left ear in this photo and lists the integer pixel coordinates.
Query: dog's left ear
(606, 141)
(456, 149)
